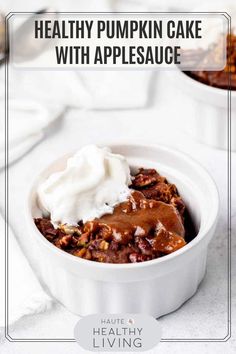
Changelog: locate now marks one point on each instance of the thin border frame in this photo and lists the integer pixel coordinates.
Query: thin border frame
(174, 340)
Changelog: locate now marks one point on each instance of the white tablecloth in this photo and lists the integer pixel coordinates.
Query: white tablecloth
(205, 315)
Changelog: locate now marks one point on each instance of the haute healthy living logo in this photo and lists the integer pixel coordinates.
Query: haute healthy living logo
(118, 332)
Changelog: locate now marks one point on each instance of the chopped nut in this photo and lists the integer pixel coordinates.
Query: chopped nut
(144, 204)
(178, 204)
(104, 245)
(88, 255)
(144, 246)
(83, 240)
(69, 229)
(90, 226)
(104, 231)
(64, 241)
(142, 180)
(80, 253)
(137, 257)
(167, 242)
(114, 246)
(127, 207)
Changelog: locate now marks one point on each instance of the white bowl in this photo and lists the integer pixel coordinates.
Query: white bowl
(155, 287)
(210, 122)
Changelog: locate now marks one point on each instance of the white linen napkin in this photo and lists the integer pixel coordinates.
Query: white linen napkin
(82, 89)
(25, 294)
(37, 98)
(26, 123)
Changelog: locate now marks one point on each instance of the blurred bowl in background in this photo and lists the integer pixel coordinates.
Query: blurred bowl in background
(210, 122)
(2, 38)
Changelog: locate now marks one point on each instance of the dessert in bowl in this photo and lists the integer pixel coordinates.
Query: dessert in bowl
(213, 97)
(223, 79)
(135, 253)
(98, 210)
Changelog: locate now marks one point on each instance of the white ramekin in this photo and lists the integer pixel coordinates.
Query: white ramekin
(209, 122)
(154, 287)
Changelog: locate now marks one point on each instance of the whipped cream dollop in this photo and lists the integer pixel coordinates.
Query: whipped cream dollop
(92, 183)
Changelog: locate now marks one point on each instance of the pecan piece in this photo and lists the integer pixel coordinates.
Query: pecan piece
(105, 231)
(83, 239)
(166, 242)
(144, 246)
(137, 257)
(63, 242)
(83, 253)
(44, 225)
(142, 180)
(103, 245)
(178, 204)
(69, 229)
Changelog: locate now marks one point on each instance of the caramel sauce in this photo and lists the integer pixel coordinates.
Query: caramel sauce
(138, 217)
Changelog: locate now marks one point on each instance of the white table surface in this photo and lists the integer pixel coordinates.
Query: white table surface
(204, 315)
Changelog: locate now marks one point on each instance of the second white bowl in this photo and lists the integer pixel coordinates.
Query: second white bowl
(210, 120)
